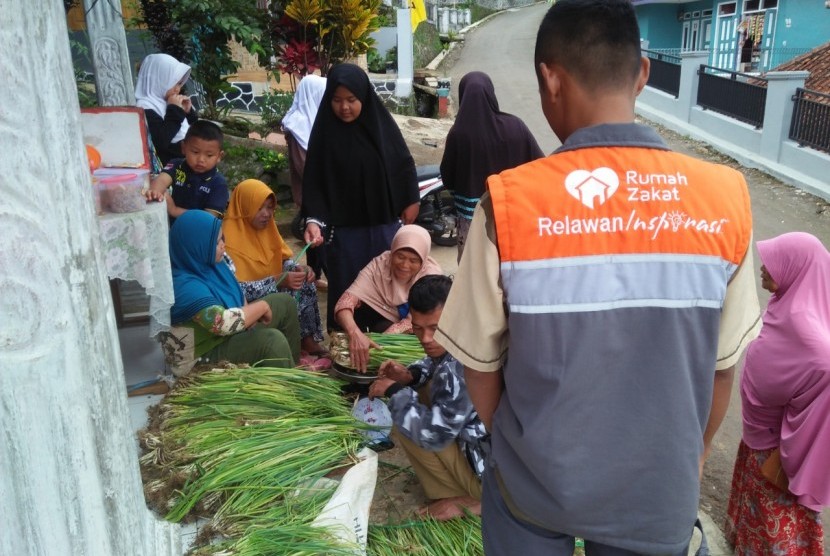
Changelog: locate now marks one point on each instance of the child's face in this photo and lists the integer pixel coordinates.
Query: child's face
(424, 326)
(174, 90)
(202, 156)
(177, 88)
(345, 104)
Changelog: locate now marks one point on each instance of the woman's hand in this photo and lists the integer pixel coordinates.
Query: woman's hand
(359, 345)
(395, 371)
(294, 280)
(258, 311)
(410, 213)
(313, 234)
(266, 315)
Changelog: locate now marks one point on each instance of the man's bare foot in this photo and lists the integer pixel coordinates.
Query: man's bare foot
(450, 508)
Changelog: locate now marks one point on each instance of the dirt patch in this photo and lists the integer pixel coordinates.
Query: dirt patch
(425, 137)
(398, 494)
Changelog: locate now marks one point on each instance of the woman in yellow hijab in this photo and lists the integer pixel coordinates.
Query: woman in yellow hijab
(263, 261)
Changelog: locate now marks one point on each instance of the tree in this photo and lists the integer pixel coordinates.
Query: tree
(316, 34)
(156, 15)
(205, 29)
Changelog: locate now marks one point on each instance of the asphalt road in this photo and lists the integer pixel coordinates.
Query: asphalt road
(502, 46)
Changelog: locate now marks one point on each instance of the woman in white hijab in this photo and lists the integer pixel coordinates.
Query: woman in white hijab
(297, 125)
(169, 113)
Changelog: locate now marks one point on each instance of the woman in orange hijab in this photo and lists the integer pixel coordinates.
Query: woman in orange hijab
(263, 261)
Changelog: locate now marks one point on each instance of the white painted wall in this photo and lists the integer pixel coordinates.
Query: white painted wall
(768, 149)
(69, 478)
(406, 58)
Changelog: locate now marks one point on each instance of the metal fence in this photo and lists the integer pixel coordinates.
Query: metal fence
(810, 124)
(665, 72)
(737, 95)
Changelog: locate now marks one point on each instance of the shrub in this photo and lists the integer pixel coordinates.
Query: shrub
(200, 31)
(375, 62)
(242, 162)
(426, 44)
(274, 105)
(272, 161)
(236, 125)
(387, 16)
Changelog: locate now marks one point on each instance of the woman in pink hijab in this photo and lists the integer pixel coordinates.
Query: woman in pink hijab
(785, 393)
(378, 298)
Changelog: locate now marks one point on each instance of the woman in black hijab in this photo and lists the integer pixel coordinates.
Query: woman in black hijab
(482, 141)
(359, 182)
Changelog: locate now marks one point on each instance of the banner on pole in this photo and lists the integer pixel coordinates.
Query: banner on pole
(417, 13)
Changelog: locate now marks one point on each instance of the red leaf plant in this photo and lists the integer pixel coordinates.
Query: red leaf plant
(298, 58)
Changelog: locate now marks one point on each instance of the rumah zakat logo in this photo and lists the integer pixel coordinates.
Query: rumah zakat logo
(592, 187)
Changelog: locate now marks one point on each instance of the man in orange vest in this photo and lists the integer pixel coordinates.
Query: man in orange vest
(603, 298)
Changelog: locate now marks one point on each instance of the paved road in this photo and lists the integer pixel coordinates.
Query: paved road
(503, 47)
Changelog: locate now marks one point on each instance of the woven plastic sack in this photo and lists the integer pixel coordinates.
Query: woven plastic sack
(346, 515)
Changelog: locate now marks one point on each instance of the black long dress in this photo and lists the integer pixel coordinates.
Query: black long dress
(359, 177)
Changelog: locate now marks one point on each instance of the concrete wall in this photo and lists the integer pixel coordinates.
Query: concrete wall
(768, 149)
(719, 125)
(70, 481)
(386, 38)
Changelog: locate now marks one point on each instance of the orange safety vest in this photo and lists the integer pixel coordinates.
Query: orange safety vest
(614, 266)
(614, 200)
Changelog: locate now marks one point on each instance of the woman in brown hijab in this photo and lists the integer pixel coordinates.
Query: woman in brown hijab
(378, 298)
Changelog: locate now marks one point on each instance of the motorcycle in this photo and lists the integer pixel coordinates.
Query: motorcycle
(437, 212)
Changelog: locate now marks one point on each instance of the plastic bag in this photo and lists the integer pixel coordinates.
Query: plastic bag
(346, 515)
(375, 413)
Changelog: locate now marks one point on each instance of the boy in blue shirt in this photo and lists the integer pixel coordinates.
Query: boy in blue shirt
(196, 182)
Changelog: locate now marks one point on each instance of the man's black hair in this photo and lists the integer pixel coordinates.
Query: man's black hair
(429, 292)
(206, 131)
(596, 41)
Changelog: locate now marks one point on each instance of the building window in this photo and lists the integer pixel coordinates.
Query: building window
(727, 9)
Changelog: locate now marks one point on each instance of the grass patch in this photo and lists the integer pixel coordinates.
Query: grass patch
(426, 44)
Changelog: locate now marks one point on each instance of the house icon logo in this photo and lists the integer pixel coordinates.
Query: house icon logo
(594, 187)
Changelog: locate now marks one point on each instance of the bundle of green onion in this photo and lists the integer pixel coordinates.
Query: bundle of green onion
(237, 444)
(284, 529)
(403, 348)
(427, 537)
